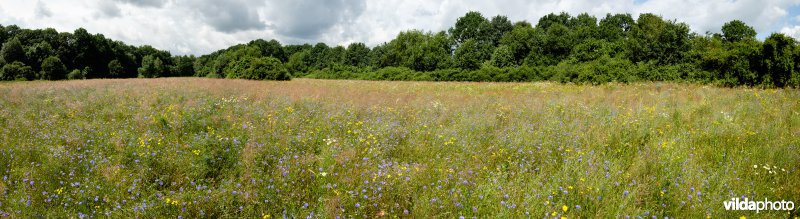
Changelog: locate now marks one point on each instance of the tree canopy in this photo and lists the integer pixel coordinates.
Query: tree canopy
(559, 47)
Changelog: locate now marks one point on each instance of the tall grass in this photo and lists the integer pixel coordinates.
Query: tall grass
(314, 148)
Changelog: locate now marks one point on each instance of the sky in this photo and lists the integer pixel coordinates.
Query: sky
(202, 26)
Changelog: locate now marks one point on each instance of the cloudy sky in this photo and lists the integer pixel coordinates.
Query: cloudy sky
(202, 26)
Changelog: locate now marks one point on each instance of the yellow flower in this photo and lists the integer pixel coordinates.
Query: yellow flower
(553, 214)
(265, 216)
(564, 208)
(742, 217)
(196, 152)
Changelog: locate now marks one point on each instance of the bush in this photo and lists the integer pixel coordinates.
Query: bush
(76, 74)
(17, 71)
(52, 69)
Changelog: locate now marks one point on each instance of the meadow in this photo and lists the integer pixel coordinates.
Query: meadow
(222, 148)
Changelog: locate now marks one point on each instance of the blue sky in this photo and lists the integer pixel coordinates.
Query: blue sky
(203, 26)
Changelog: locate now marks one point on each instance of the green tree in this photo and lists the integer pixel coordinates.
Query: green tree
(52, 69)
(298, 63)
(615, 27)
(471, 54)
(266, 68)
(270, 48)
(37, 53)
(502, 57)
(17, 71)
(183, 65)
(737, 30)
(778, 59)
(471, 26)
(653, 39)
(152, 67)
(115, 69)
(498, 26)
(75, 75)
(520, 41)
(553, 19)
(357, 54)
(12, 51)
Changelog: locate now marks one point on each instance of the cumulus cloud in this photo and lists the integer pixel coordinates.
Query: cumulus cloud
(145, 3)
(42, 10)
(108, 9)
(307, 19)
(203, 26)
(228, 16)
(793, 31)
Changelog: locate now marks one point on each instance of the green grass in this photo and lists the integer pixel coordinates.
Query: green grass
(195, 147)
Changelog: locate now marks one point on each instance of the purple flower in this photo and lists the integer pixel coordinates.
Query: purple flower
(625, 193)
(358, 205)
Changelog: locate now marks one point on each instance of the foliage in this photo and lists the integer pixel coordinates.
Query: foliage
(52, 69)
(115, 69)
(76, 74)
(152, 67)
(562, 47)
(17, 71)
(12, 51)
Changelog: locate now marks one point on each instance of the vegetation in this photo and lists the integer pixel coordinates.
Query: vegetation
(195, 148)
(560, 47)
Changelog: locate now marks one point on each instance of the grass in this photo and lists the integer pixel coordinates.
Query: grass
(195, 147)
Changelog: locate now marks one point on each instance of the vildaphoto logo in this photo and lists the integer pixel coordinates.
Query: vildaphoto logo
(751, 205)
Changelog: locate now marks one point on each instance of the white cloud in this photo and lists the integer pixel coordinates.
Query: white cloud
(42, 10)
(793, 31)
(200, 27)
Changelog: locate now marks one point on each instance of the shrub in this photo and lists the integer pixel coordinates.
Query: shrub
(76, 74)
(17, 71)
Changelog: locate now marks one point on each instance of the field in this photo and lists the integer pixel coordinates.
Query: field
(195, 147)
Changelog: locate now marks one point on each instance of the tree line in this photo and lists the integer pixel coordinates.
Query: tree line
(560, 47)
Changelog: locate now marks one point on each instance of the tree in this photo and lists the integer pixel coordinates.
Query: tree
(37, 53)
(75, 75)
(471, 54)
(520, 41)
(778, 59)
(737, 30)
(553, 19)
(652, 38)
(357, 54)
(615, 27)
(52, 69)
(152, 67)
(498, 26)
(12, 51)
(270, 48)
(183, 65)
(298, 63)
(17, 71)
(471, 26)
(502, 57)
(265, 68)
(115, 69)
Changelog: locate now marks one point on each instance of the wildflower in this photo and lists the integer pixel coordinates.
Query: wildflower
(564, 208)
